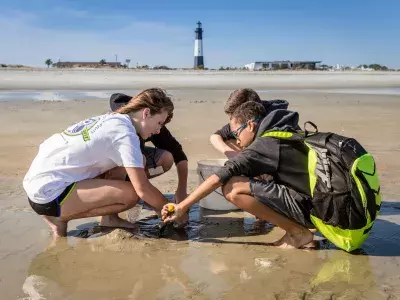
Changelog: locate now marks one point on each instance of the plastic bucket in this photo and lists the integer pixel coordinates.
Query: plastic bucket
(215, 200)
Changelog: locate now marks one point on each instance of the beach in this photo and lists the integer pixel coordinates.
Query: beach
(220, 255)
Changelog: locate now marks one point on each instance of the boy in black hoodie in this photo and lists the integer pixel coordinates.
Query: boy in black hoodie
(285, 200)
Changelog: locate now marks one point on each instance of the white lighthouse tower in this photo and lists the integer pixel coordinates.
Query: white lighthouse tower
(198, 47)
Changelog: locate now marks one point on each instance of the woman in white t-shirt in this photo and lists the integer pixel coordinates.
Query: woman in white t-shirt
(81, 171)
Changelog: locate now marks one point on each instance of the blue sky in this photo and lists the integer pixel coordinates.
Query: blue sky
(235, 32)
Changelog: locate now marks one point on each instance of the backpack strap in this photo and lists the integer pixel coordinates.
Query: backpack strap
(284, 135)
(318, 139)
(306, 132)
(299, 135)
(278, 134)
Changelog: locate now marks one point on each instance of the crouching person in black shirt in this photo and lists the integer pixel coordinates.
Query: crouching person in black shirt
(222, 139)
(167, 151)
(283, 200)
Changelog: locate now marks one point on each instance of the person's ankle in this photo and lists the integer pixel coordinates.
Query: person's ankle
(298, 231)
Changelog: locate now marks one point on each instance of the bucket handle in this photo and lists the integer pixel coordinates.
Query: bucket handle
(202, 177)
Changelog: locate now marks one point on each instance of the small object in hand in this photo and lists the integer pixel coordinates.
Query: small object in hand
(171, 209)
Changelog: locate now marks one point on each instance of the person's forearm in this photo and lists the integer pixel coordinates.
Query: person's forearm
(151, 195)
(211, 183)
(182, 170)
(219, 144)
(144, 189)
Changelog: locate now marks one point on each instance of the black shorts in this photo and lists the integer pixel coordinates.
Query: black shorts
(283, 200)
(152, 155)
(52, 208)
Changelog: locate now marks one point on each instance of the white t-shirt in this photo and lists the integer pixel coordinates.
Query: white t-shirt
(82, 151)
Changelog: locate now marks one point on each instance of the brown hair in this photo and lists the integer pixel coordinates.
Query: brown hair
(239, 97)
(156, 99)
(249, 111)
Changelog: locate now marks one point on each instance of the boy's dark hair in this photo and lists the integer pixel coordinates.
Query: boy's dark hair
(249, 111)
(239, 97)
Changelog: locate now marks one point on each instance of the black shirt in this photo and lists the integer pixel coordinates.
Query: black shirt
(164, 140)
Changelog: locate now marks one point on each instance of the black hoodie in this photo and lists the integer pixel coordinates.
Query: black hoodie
(269, 105)
(285, 160)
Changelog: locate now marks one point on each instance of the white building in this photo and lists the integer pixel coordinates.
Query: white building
(284, 64)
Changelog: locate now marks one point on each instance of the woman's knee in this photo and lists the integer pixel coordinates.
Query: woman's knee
(118, 173)
(129, 197)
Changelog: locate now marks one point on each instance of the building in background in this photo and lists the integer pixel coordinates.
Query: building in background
(282, 65)
(80, 64)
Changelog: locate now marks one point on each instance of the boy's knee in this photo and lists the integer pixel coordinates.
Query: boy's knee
(166, 161)
(235, 187)
(228, 190)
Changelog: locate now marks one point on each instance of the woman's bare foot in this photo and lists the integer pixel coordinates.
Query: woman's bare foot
(58, 227)
(305, 239)
(116, 222)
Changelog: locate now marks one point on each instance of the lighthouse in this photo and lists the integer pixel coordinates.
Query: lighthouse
(198, 47)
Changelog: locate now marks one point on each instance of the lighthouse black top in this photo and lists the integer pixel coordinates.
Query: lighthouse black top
(164, 140)
(199, 31)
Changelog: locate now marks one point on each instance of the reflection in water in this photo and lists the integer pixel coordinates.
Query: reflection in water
(212, 259)
(94, 269)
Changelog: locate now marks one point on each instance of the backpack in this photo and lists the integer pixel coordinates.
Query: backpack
(344, 185)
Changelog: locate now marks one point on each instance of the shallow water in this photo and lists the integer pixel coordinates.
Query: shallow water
(220, 255)
(69, 95)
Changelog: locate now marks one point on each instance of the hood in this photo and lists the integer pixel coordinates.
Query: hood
(271, 105)
(280, 119)
(118, 100)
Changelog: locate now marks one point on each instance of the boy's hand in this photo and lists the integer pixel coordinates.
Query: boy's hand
(180, 196)
(171, 212)
(231, 154)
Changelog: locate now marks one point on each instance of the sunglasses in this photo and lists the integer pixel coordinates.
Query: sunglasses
(238, 131)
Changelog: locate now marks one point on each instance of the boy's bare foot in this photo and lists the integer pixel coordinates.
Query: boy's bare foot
(58, 227)
(305, 239)
(116, 222)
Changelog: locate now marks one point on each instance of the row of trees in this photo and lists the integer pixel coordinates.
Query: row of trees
(49, 62)
(222, 68)
(375, 67)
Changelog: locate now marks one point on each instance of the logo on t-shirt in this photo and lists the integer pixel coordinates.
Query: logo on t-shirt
(82, 128)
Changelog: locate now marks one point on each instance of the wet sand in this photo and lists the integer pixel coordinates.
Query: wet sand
(219, 255)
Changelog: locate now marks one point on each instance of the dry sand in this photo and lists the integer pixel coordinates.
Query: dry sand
(134, 79)
(221, 255)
